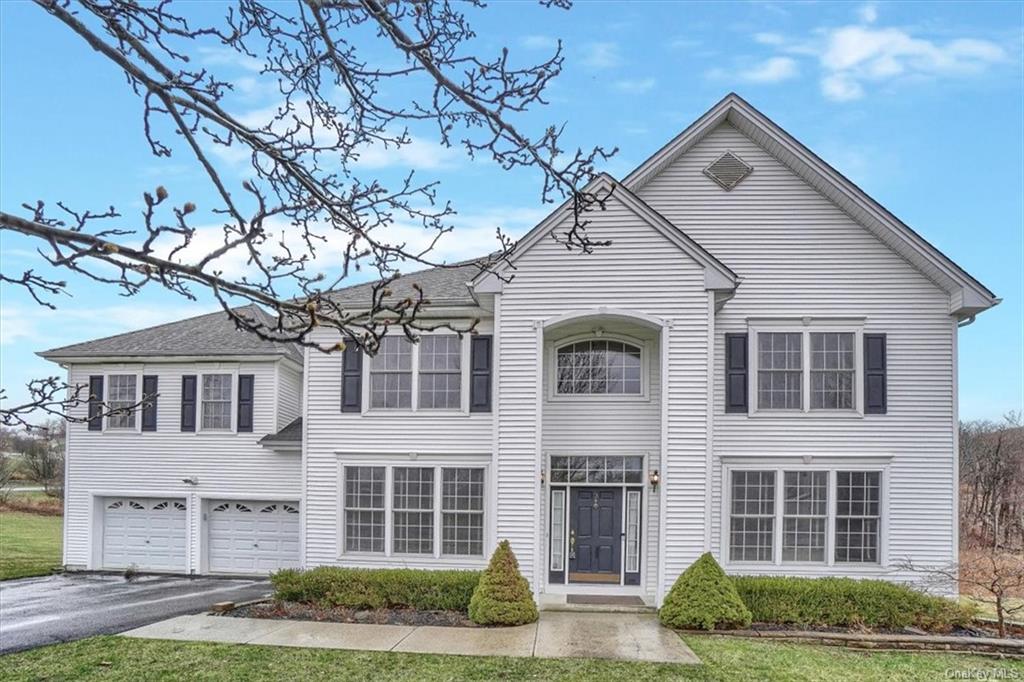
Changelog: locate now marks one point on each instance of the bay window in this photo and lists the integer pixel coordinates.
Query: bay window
(807, 527)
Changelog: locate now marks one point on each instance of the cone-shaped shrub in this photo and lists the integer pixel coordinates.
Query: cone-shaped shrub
(502, 597)
(704, 597)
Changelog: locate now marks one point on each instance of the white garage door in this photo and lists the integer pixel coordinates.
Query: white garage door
(252, 536)
(144, 532)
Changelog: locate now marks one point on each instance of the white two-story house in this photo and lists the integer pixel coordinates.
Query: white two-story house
(762, 365)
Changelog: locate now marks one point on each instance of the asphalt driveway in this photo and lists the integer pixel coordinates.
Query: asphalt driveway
(61, 608)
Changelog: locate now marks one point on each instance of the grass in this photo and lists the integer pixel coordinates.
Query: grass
(987, 608)
(115, 658)
(29, 544)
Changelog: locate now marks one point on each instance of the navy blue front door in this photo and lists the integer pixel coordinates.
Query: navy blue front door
(595, 535)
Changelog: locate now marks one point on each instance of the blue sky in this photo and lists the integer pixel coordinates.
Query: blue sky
(918, 103)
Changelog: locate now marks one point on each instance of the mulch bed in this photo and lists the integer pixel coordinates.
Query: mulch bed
(283, 610)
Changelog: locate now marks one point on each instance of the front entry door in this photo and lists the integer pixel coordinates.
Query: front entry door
(595, 534)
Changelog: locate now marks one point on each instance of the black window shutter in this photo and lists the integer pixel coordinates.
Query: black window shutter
(96, 403)
(149, 391)
(245, 393)
(480, 373)
(188, 402)
(352, 379)
(736, 373)
(875, 392)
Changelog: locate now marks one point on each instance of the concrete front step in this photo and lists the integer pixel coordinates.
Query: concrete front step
(594, 603)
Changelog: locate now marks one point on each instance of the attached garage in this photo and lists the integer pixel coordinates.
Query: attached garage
(248, 536)
(145, 533)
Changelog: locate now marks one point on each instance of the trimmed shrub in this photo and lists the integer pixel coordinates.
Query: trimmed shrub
(704, 597)
(845, 602)
(503, 596)
(377, 588)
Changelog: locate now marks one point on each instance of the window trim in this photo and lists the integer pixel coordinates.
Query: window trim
(437, 555)
(137, 428)
(806, 328)
(552, 369)
(233, 373)
(414, 408)
(799, 464)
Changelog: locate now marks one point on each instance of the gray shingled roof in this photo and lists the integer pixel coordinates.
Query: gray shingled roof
(212, 334)
(215, 334)
(442, 285)
(289, 435)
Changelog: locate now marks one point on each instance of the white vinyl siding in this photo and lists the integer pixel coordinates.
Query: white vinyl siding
(799, 255)
(153, 464)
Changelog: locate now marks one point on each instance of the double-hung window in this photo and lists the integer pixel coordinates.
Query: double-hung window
(806, 527)
(391, 374)
(806, 369)
(122, 397)
(427, 375)
(428, 510)
(216, 401)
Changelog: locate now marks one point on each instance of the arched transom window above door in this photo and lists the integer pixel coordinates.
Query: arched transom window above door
(599, 367)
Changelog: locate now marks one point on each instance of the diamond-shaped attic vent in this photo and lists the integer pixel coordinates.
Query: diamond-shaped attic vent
(728, 170)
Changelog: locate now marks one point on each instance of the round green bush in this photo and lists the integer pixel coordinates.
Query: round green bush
(703, 597)
(502, 597)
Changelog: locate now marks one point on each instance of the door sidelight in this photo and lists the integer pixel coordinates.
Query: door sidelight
(572, 543)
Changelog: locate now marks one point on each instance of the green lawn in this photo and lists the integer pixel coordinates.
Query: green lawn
(29, 544)
(115, 658)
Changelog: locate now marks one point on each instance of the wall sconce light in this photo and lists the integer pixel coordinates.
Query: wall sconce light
(654, 478)
(543, 475)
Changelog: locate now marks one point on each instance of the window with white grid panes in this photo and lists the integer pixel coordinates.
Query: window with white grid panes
(121, 398)
(804, 515)
(779, 371)
(391, 374)
(833, 370)
(413, 510)
(216, 401)
(462, 511)
(364, 508)
(858, 516)
(598, 367)
(440, 372)
(752, 516)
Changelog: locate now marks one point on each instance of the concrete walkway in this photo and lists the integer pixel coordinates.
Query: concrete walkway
(622, 636)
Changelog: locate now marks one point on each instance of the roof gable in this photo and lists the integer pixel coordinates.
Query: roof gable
(967, 295)
(716, 275)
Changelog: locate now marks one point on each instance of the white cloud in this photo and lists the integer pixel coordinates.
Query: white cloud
(773, 70)
(225, 56)
(684, 43)
(634, 86)
(539, 42)
(855, 55)
(868, 12)
(769, 39)
(417, 154)
(601, 55)
(841, 88)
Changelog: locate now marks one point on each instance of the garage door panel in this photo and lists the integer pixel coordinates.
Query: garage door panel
(253, 536)
(144, 533)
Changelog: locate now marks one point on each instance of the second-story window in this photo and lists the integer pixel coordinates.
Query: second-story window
(121, 397)
(216, 396)
(806, 370)
(391, 374)
(440, 373)
(598, 367)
